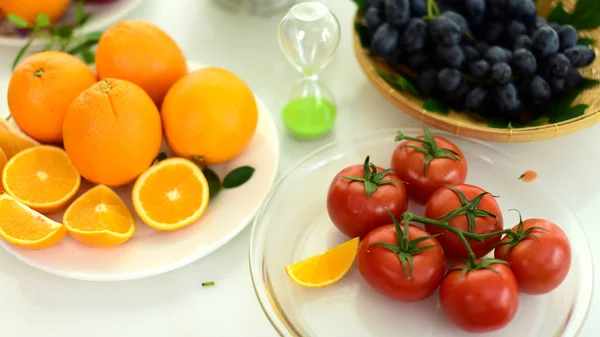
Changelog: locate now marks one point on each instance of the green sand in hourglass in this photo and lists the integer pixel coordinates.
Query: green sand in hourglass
(309, 35)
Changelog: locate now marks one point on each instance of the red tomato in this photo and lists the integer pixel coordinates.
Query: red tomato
(445, 200)
(382, 269)
(481, 300)
(408, 164)
(356, 214)
(540, 265)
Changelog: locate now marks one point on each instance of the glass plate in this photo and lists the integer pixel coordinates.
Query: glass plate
(293, 224)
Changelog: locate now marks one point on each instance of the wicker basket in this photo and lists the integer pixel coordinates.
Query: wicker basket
(463, 124)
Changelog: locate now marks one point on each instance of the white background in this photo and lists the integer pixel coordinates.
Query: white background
(33, 303)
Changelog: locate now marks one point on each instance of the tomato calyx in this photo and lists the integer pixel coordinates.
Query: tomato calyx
(371, 179)
(469, 208)
(405, 248)
(429, 148)
(514, 238)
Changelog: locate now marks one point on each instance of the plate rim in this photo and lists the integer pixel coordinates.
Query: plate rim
(192, 66)
(573, 323)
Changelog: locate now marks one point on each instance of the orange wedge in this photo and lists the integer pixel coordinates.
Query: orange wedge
(171, 194)
(99, 218)
(13, 141)
(25, 228)
(326, 268)
(42, 178)
(3, 161)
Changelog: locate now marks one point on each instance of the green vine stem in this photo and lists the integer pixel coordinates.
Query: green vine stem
(432, 10)
(429, 148)
(371, 178)
(405, 248)
(469, 208)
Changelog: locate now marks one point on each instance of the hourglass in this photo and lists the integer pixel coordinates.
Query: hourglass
(309, 35)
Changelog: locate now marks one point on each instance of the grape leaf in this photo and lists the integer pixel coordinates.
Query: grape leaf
(363, 34)
(586, 14)
(432, 104)
(586, 41)
(401, 82)
(362, 4)
(560, 109)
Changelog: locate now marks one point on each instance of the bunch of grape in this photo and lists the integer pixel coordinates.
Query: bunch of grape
(492, 57)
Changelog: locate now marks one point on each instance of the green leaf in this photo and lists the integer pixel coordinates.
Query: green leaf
(586, 14)
(432, 104)
(214, 182)
(401, 82)
(79, 11)
(560, 109)
(63, 32)
(22, 52)
(363, 34)
(586, 41)
(93, 36)
(42, 21)
(18, 21)
(362, 4)
(238, 177)
(87, 56)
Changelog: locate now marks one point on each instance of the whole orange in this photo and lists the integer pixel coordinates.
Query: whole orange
(141, 53)
(112, 132)
(30, 9)
(209, 113)
(41, 89)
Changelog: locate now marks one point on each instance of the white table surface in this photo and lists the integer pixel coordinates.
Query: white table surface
(33, 303)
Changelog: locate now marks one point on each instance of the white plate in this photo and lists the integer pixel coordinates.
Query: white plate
(150, 252)
(103, 15)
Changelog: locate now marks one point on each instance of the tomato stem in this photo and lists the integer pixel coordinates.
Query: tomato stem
(429, 148)
(444, 224)
(371, 179)
(472, 257)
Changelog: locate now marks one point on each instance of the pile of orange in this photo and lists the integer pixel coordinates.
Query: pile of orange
(107, 128)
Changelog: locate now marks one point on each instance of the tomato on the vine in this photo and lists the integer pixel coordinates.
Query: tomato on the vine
(468, 208)
(359, 195)
(427, 163)
(483, 299)
(403, 264)
(539, 254)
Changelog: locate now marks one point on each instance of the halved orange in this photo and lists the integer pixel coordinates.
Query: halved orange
(326, 268)
(99, 218)
(42, 178)
(3, 161)
(13, 141)
(171, 194)
(25, 228)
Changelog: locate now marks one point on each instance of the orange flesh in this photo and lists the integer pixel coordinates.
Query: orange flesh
(100, 209)
(12, 143)
(172, 195)
(41, 177)
(529, 176)
(19, 223)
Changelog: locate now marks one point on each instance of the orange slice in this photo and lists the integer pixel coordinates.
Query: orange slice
(171, 194)
(3, 161)
(25, 228)
(326, 268)
(42, 178)
(99, 218)
(13, 142)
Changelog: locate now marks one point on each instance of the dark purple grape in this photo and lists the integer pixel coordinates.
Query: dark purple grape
(501, 73)
(379, 4)
(471, 53)
(373, 19)
(524, 62)
(568, 36)
(457, 19)
(496, 8)
(427, 81)
(545, 42)
(538, 91)
(444, 31)
(456, 98)
(418, 8)
(397, 12)
(448, 79)
(482, 47)
(523, 42)
(492, 33)
(418, 61)
(475, 10)
(513, 30)
(414, 35)
(580, 56)
(479, 69)
(385, 43)
(476, 99)
(508, 101)
(495, 55)
(558, 84)
(573, 80)
(559, 65)
(450, 56)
